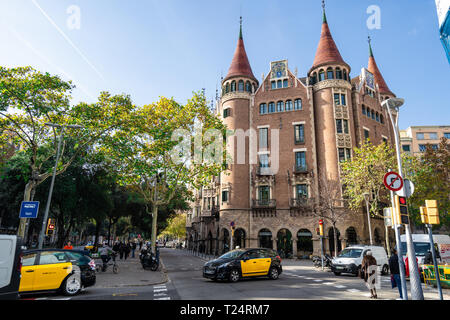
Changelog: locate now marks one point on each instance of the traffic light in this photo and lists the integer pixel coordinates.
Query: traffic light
(432, 211)
(401, 210)
(424, 215)
(387, 216)
(50, 227)
(321, 227)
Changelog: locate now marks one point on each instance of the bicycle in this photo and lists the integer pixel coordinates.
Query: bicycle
(104, 266)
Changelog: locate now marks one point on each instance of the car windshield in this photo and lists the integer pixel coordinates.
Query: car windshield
(350, 253)
(232, 254)
(421, 248)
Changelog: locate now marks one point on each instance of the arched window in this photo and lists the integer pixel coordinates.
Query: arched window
(248, 86)
(314, 77)
(377, 117)
(265, 239)
(373, 114)
(345, 74)
(241, 86)
(227, 87)
(280, 106)
(330, 73)
(284, 243)
(271, 107)
(289, 105)
(233, 86)
(368, 112)
(262, 108)
(381, 118)
(298, 104)
(239, 238)
(351, 236)
(304, 243)
(321, 75)
(338, 73)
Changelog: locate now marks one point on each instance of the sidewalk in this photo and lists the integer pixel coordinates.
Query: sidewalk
(131, 274)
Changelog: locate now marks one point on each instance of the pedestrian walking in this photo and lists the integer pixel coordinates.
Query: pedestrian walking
(121, 249)
(140, 245)
(368, 272)
(127, 250)
(133, 248)
(394, 267)
(68, 246)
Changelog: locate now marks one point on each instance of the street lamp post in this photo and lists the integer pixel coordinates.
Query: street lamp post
(366, 197)
(416, 286)
(47, 206)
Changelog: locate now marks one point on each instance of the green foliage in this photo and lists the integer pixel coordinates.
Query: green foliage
(176, 227)
(364, 173)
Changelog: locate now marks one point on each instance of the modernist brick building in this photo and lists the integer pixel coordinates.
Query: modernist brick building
(302, 128)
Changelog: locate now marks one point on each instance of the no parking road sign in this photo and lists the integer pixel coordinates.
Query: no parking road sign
(393, 181)
(29, 209)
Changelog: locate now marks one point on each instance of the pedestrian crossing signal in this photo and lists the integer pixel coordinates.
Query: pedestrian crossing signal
(432, 211)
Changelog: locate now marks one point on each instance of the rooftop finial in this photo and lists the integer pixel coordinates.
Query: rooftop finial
(323, 7)
(240, 32)
(370, 46)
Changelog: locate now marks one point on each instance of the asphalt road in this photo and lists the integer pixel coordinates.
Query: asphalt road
(184, 281)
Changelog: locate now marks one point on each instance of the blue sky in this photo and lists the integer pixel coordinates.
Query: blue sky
(171, 48)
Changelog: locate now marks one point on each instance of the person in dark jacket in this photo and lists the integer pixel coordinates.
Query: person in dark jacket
(121, 249)
(394, 267)
(127, 249)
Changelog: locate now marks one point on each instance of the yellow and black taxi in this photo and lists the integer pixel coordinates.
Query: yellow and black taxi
(243, 263)
(62, 270)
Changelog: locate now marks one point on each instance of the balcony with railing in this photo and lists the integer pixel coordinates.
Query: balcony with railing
(300, 202)
(264, 203)
(300, 169)
(264, 171)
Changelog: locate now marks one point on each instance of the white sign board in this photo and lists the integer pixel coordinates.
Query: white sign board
(444, 251)
(442, 9)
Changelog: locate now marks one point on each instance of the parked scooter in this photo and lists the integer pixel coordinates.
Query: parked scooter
(148, 260)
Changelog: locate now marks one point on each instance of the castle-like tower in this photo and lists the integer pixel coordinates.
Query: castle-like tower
(290, 134)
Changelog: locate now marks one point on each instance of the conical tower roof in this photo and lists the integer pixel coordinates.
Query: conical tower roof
(327, 51)
(240, 66)
(373, 68)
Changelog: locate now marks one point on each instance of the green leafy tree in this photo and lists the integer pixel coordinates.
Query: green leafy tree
(144, 152)
(176, 227)
(29, 99)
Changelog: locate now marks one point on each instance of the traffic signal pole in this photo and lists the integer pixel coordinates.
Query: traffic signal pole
(416, 286)
(436, 269)
(401, 263)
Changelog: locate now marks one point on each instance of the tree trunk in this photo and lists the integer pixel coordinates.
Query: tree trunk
(335, 239)
(97, 231)
(154, 225)
(26, 197)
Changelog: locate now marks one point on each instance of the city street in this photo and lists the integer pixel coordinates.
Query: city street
(180, 278)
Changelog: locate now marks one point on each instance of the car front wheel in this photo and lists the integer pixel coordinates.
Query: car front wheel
(234, 275)
(385, 270)
(72, 285)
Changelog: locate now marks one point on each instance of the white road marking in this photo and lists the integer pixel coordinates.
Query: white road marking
(318, 280)
(159, 287)
(160, 294)
(340, 286)
(165, 298)
(328, 283)
(159, 290)
(353, 290)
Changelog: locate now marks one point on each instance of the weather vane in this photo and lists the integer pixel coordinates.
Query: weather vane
(323, 4)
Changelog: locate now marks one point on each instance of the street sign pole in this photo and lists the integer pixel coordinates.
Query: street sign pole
(416, 286)
(436, 270)
(47, 206)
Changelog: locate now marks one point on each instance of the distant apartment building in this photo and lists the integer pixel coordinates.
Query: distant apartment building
(415, 139)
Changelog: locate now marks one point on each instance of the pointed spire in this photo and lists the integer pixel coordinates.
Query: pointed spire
(240, 31)
(327, 51)
(240, 65)
(373, 68)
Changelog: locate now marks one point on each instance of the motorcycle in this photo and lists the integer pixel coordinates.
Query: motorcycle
(148, 260)
(317, 261)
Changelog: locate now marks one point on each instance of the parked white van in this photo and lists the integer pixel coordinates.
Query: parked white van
(422, 244)
(10, 266)
(349, 260)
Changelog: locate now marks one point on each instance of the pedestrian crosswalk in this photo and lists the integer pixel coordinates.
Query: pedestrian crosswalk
(160, 292)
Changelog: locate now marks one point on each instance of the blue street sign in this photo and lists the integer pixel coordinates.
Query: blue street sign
(29, 209)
